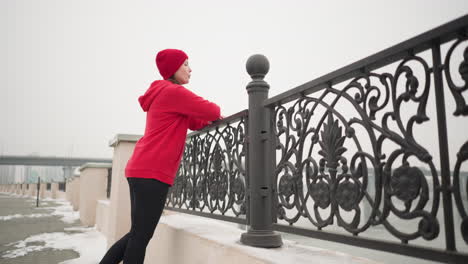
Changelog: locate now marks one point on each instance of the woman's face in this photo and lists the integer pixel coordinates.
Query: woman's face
(182, 75)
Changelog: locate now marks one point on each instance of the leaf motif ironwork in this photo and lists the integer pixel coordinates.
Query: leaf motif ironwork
(212, 174)
(336, 186)
(457, 91)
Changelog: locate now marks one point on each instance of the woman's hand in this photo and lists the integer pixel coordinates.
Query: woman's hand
(220, 118)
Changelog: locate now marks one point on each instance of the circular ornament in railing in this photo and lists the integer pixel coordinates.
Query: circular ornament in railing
(286, 186)
(406, 182)
(320, 193)
(350, 132)
(347, 195)
(199, 194)
(464, 229)
(463, 68)
(238, 188)
(429, 229)
(213, 191)
(189, 189)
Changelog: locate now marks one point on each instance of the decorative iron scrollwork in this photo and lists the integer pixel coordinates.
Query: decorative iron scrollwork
(461, 191)
(457, 91)
(212, 174)
(405, 183)
(338, 184)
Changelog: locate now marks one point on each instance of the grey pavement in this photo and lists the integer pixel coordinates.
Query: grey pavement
(20, 228)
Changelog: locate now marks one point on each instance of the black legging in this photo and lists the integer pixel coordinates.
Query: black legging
(147, 199)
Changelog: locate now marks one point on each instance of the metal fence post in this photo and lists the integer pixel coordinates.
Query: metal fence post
(260, 232)
(38, 190)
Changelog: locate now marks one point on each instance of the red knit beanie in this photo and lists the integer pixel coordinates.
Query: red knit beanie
(169, 61)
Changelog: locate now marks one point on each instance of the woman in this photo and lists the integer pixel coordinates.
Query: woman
(171, 110)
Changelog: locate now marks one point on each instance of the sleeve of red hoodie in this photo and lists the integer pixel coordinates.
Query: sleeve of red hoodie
(197, 124)
(192, 105)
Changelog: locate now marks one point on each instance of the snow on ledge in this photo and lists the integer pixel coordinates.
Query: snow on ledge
(105, 202)
(229, 236)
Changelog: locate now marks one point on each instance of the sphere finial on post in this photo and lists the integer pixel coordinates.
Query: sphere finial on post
(257, 66)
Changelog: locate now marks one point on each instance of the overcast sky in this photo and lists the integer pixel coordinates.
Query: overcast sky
(71, 71)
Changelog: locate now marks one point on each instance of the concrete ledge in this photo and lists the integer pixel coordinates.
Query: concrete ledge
(102, 216)
(93, 181)
(123, 138)
(182, 238)
(61, 195)
(96, 165)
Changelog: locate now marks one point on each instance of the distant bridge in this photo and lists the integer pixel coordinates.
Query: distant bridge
(48, 161)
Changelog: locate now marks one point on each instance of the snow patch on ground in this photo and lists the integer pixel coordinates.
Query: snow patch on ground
(9, 217)
(90, 244)
(63, 210)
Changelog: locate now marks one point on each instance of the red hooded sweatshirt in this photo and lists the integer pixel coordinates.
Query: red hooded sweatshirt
(171, 110)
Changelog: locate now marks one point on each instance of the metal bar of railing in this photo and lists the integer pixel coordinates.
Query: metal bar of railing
(220, 123)
(443, 148)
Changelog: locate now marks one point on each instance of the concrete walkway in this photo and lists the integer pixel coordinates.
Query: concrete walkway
(28, 233)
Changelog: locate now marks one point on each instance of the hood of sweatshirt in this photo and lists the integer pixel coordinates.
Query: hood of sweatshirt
(153, 91)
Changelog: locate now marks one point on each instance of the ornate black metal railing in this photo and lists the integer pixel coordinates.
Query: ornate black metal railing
(211, 180)
(349, 159)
